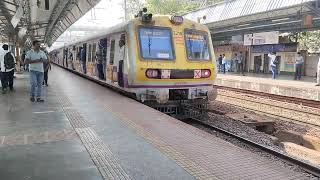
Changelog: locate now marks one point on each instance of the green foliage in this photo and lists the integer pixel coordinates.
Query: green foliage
(309, 41)
(172, 7)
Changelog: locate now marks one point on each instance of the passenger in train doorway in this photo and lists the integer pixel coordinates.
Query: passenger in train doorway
(273, 64)
(122, 45)
(46, 68)
(99, 65)
(83, 60)
(35, 58)
(318, 72)
(7, 65)
(299, 64)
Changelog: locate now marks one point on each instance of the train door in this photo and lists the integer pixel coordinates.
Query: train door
(84, 58)
(66, 57)
(115, 69)
(121, 58)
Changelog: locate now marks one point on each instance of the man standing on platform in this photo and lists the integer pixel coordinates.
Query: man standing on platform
(7, 65)
(299, 64)
(220, 63)
(318, 72)
(240, 63)
(35, 58)
(273, 64)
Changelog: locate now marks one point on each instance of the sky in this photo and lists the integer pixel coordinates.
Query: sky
(106, 13)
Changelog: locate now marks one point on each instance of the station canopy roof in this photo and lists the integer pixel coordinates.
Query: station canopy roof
(104, 15)
(45, 20)
(233, 17)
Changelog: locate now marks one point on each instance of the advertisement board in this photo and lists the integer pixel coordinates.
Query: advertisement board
(265, 38)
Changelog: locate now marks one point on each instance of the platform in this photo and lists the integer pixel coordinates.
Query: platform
(283, 85)
(85, 131)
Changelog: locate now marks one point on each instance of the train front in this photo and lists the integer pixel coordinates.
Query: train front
(175, 60)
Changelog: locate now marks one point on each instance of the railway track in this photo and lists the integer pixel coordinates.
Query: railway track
(287, 108)
(288, 158)
(294, 100)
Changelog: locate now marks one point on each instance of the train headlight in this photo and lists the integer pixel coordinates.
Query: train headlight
(176, 20)
(153, 73)
(205, 73)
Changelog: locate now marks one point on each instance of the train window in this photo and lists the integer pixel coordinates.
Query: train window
(156, 43)
(112, 48)
(197, 45)
(90, 53)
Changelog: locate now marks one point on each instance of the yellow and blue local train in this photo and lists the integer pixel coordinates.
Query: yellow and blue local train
(160, 60)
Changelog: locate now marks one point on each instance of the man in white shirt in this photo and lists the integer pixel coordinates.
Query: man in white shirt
(7, 65)
(273, 64)
(224, 62)
(299, 64)
(318, 72)
(35, 58)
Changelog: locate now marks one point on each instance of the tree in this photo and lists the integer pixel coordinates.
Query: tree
(133, 7)
(309, 41)
(171, 7)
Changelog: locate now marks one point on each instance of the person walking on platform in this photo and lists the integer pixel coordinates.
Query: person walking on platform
(240, 63)
(318, 72)
(7, 65)
(299, 64)
(224, 62)
(35, 58)
(220, 63)
(46, 68)
(273, 64)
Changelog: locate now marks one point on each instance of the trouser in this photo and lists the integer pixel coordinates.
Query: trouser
(231, 66)
(36, 80)
(240, 68)
(100, 71)
(257, 68)
(7, 79)
(274, 71)
(224, 68)
(298, 71)
(84, 67)
(45, 77)
(26, 67)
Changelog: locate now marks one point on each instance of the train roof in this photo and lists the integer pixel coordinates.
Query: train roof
(117, 28)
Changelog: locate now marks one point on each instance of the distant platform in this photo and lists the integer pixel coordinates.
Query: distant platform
(283, 85)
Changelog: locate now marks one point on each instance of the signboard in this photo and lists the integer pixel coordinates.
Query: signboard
(265, 38)
(16, 18)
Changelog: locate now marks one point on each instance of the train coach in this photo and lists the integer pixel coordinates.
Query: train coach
(163, 61)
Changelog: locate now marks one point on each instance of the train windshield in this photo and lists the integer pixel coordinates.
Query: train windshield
(197, 45)
(156, 43)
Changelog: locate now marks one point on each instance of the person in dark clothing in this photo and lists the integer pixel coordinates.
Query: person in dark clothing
(83, 56)
(46, 68)
(220, 63)
(99, 65)
(7, 66)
